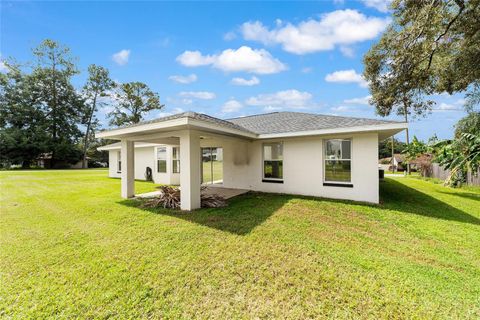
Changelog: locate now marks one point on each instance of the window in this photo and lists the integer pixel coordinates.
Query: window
(119, 161)
(273, 162)
(338, 161)
(176, 159)
(162, 159)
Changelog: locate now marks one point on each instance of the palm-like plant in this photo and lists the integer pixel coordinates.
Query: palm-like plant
(459, 156)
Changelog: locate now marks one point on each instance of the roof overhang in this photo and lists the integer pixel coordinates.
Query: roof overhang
(117, 146)
(172, 125)
(384, 131)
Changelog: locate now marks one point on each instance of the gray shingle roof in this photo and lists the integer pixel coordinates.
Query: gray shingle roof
(282, 122)
(191, 115)
(276, 122)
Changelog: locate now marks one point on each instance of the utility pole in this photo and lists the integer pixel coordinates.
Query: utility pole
(393, 164)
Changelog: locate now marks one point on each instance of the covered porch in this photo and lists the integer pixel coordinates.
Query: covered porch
(191, 134)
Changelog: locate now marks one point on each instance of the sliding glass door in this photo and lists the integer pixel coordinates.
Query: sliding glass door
(212, 165)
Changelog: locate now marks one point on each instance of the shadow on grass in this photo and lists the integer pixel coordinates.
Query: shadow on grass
(242, 215)
(400, 197)
(467, 195)
(248, 211)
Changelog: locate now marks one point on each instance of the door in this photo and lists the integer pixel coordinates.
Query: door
(212, 165)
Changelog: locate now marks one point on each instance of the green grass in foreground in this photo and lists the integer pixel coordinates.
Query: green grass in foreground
(71, 247)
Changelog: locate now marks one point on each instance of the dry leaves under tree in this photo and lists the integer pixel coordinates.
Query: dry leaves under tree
(170, 198)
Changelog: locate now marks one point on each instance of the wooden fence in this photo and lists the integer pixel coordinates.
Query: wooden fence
(442, 174)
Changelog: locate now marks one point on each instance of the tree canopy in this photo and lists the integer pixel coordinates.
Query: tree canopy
(134, 100)
(430, 47)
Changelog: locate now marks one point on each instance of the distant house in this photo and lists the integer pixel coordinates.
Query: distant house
(397, 165)
(45, 161)
(284, 152)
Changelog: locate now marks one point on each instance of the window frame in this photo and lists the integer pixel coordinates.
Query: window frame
(119, 161)
(176, 158)
(269, 179)
(159, 159)
(333, 183)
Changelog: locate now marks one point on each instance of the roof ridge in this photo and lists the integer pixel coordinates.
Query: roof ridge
(255, 115)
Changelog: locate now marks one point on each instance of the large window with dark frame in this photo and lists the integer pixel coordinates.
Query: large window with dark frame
(176, 159)
(119, 161)
(162, 159)
(338, 161)
(273, 161)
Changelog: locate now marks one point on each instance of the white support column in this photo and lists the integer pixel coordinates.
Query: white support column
(128, 168)
(189, 170)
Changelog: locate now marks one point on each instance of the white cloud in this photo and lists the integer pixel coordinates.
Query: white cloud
(341, 109)
(361, 101)
(162, 114)
(347, 51)
(204, 95)
(231, 106)
(341, 27)
(229, 36)
(243, 59)
(194, 59)
(346, 76)
(184, 79)
(282, 99)
(245, 82)
(307, 70)
(3, 67)
(380, 5)
(121, 57)
(447, 107)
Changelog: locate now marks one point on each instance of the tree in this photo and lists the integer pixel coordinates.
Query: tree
(134, 99)
(61, 105)
(461, 154)
(430, 47)
(385, 147)
(22, 126)
(97, 87)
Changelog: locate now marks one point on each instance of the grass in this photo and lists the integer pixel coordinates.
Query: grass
(207, 171)
(71, 247)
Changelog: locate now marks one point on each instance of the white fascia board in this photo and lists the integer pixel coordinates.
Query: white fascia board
(116, 133)
(371, 128)
(164, 125)
(137, 145)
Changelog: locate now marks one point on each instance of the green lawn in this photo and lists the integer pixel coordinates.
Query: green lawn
(71, 247)
(207, 171)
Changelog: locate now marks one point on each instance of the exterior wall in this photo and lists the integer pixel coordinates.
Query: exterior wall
(302, 167)
(168, 177)
(145, 157)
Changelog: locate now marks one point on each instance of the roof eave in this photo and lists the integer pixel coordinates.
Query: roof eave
(174, 125)
(397, 126)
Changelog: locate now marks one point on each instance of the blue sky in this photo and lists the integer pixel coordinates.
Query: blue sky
(224, 59)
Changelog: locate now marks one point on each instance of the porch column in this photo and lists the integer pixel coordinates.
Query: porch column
(189, 170)
(128, 168)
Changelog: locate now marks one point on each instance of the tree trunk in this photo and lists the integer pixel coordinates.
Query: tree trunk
(393, 154)
(25, 164)
(87, 132)
(54, 111)
(408, 138)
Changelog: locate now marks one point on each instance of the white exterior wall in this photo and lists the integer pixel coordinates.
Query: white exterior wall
(145, 157)
(165, 177)
(302, 167)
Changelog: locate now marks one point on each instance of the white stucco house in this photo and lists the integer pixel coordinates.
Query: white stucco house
(280, 152)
